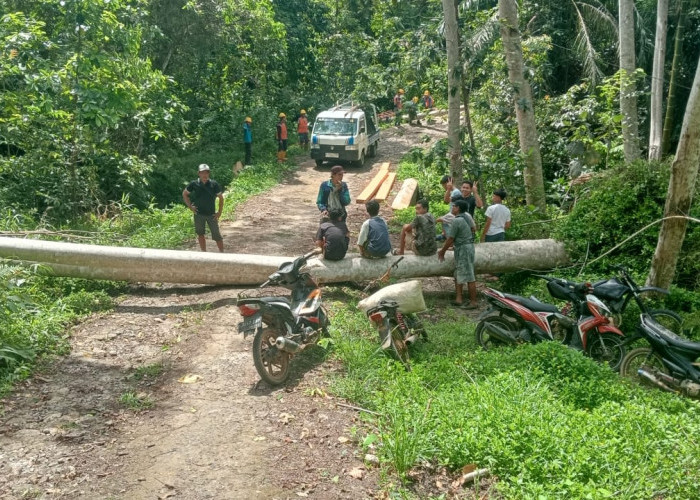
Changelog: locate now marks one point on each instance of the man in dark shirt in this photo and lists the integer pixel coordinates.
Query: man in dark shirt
(333, 236)
(423, 231)
(470, 194)
(200, 196)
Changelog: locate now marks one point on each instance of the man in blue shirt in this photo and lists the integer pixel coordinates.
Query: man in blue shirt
(333, 193)
(248, 138)
(373, 239)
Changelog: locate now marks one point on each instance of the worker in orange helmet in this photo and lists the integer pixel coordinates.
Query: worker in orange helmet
(281, 136)
(303, 130)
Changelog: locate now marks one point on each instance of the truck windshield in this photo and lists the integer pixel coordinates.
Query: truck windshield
(335, 126)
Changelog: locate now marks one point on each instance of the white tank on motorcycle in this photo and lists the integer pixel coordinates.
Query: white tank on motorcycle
(408, 294)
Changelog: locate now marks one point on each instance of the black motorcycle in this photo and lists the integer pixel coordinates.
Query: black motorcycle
(618, 292)
(670, 363)
(283, 326)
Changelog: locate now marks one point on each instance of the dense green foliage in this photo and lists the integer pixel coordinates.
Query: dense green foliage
(547, 421)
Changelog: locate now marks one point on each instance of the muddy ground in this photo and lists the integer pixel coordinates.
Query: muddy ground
(207, 427)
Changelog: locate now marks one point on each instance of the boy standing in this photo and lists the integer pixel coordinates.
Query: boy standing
(461, 235)
(205, 192)
(373, 239)
(497, 218)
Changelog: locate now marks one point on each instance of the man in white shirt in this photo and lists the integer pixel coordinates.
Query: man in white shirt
(497, 218)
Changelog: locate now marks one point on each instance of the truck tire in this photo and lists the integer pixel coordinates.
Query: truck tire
(319, 163)
(361, 161)
(373, 150)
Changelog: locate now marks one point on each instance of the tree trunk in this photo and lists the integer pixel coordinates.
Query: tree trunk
(673, 82)
(522, 98)
(657, 81)
(454, 78)
(628, 98)
(172, 266)
(466, 92)
(681, 188)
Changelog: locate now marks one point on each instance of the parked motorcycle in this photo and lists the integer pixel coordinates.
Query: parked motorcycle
(512, 319)
(283, 327)
(671, 363)
(618, 292)
(392, 311)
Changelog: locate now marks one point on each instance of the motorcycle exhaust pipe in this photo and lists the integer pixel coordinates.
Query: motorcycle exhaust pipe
(287, 345)
(654, 380)
(499, 333)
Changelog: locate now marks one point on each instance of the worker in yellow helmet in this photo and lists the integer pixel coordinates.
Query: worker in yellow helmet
(303, 130)
(248, 138)
(427, 100)
(281, 137)
(398, 106)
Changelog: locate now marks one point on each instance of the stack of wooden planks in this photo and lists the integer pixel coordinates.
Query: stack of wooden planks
(380, 185)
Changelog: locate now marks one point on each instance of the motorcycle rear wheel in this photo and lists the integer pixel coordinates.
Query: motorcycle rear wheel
(483, 338)
(607, 348)
(271, 363)
(668, 319)
(635, 359)
(397, 345)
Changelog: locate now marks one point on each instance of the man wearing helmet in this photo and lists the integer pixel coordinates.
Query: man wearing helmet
(303, 130)
(200, 197)
(398, 106)
(248, 139)
(281, 137)
(427, 100)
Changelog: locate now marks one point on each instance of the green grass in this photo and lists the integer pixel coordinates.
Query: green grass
(546, 421)
(135, 402)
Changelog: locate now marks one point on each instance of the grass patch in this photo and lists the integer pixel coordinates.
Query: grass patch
(544, 419)
(135, 402)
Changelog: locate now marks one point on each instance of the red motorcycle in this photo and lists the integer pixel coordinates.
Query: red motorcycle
(512, 319)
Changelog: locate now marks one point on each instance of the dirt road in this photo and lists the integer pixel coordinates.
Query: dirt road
(206, 428)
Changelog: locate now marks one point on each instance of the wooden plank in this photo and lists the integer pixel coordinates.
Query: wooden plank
(386, 186)
(371, 188)
(406, 195)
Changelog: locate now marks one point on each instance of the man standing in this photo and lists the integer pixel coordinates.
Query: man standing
(427, 101)
(333, 194)
(398, 106)
(303, 130)
(373, 239)
(471, 195)
(497, 218)
(461, 234)
(333, 236)
(423, 231)
(200, 196)
(281, 136)
(248, 139)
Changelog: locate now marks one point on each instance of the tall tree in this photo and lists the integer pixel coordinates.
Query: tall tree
(522, 98)
(673, 81)
(628, 97)
(657, 81)
(681, 188)
(454, 80)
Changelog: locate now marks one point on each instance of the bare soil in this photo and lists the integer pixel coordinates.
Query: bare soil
(208, 427)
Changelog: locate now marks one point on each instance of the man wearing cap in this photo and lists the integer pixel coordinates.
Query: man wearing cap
(303, 130)
(333, 193)
(497, 218)
(200, 197)
(248, 138)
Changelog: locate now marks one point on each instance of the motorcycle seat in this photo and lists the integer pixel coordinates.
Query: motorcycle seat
(533, 305)
(690, 347)
(266, 300)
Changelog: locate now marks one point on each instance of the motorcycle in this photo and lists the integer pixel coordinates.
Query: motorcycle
(671, 363)
(396, 322)
(283, 326)
(512, 319)
(618, 292)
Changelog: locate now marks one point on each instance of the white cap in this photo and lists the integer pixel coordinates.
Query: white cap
(204, 167)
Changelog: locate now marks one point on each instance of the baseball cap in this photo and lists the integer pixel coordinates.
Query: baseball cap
(203, 167)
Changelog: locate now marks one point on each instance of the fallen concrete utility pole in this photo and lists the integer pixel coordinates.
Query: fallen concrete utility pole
(174, 266)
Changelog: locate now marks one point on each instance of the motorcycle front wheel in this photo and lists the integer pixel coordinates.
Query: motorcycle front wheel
(271, 363)
(668, 319)
(391, 332)
(636, 359)
(487, 341)
(607, 348)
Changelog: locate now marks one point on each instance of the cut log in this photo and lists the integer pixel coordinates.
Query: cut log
(407, 195)
(173, 266)
(386, 186)
(371, 188)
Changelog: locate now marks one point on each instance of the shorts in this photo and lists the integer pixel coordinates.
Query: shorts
(200, 222)
(495, 237)
(464, 264)
(304, 138)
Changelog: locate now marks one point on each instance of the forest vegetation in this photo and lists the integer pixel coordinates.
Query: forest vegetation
(106, 106)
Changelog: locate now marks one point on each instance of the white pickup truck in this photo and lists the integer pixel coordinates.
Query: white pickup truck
(345, 133)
